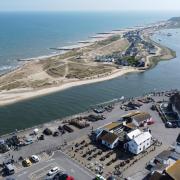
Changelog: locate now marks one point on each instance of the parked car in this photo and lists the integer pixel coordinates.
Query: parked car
(34, 158)
(56, 133)
(168, 124)
(99, 177)
(68, 129)
(53, 171)
(9, 169)
(41, 137)
(111, 178)
(47, 132)
(26, 162)
(62, 176)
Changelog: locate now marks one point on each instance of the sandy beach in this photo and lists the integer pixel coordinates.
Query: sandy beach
(13, 96)
(42, 76)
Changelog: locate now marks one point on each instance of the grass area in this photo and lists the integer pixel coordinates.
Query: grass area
(39, 83)
(167, 54)
(132, 61)
(14, 85)
(109, 40)
(56, 71)
(81, 71)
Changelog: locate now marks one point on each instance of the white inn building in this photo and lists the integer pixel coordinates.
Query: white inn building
(139, 142)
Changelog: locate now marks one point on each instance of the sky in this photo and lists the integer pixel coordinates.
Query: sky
(88, 5)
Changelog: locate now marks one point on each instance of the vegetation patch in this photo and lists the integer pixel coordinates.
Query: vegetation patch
(81, 71)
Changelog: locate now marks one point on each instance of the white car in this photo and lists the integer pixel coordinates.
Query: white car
(99, 177)
(35, 158)
(53, 171)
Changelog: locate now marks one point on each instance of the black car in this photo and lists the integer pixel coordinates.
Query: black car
(62, 176)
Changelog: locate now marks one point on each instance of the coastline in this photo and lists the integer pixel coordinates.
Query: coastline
(19, 94)
(13, 96)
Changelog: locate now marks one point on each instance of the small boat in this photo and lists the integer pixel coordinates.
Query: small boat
(169, 34)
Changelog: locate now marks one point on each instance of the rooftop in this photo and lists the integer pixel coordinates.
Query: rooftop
(112, 126)
(173, 171)
(134, 133)
(142, 116)
(142, 137)
(108, 137)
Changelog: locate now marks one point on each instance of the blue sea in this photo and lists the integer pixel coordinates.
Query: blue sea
(31, 34)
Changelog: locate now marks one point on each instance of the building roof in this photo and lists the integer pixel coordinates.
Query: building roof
(174, 170)
(131, 114)
(142, 116)
(130, 125)
(134, 133)
(112, 125)
(108, 137)
(142, 137)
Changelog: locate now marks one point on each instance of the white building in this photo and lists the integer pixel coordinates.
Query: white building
(141, 119)
(108, 139)
(138, 143)
(133, 134)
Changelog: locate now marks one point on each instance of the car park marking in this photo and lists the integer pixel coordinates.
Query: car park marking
(21, 174)
(50, 160)
(43, 171)
(74, 163)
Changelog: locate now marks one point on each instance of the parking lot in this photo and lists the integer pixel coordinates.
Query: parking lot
(38, 171)
(75, 162)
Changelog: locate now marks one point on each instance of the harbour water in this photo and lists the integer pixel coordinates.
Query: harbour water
(165, 75)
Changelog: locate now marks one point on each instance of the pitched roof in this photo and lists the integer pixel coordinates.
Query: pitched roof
(142, 137)
(142, 116)
(134, 133)
(112, 125)
(108, 137)
(174, 170)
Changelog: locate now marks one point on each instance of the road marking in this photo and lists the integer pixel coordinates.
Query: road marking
(50, 160)
(23, 173)
(72, 170)
(78, 166)
(43, 171)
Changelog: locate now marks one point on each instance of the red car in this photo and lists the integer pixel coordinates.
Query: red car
(150, 122)
(61, 176)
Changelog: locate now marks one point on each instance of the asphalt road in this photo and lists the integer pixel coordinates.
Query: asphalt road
(39, 170)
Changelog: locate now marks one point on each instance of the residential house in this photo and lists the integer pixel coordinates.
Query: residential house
(133, 134)
(141, 119)
(108, 139)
